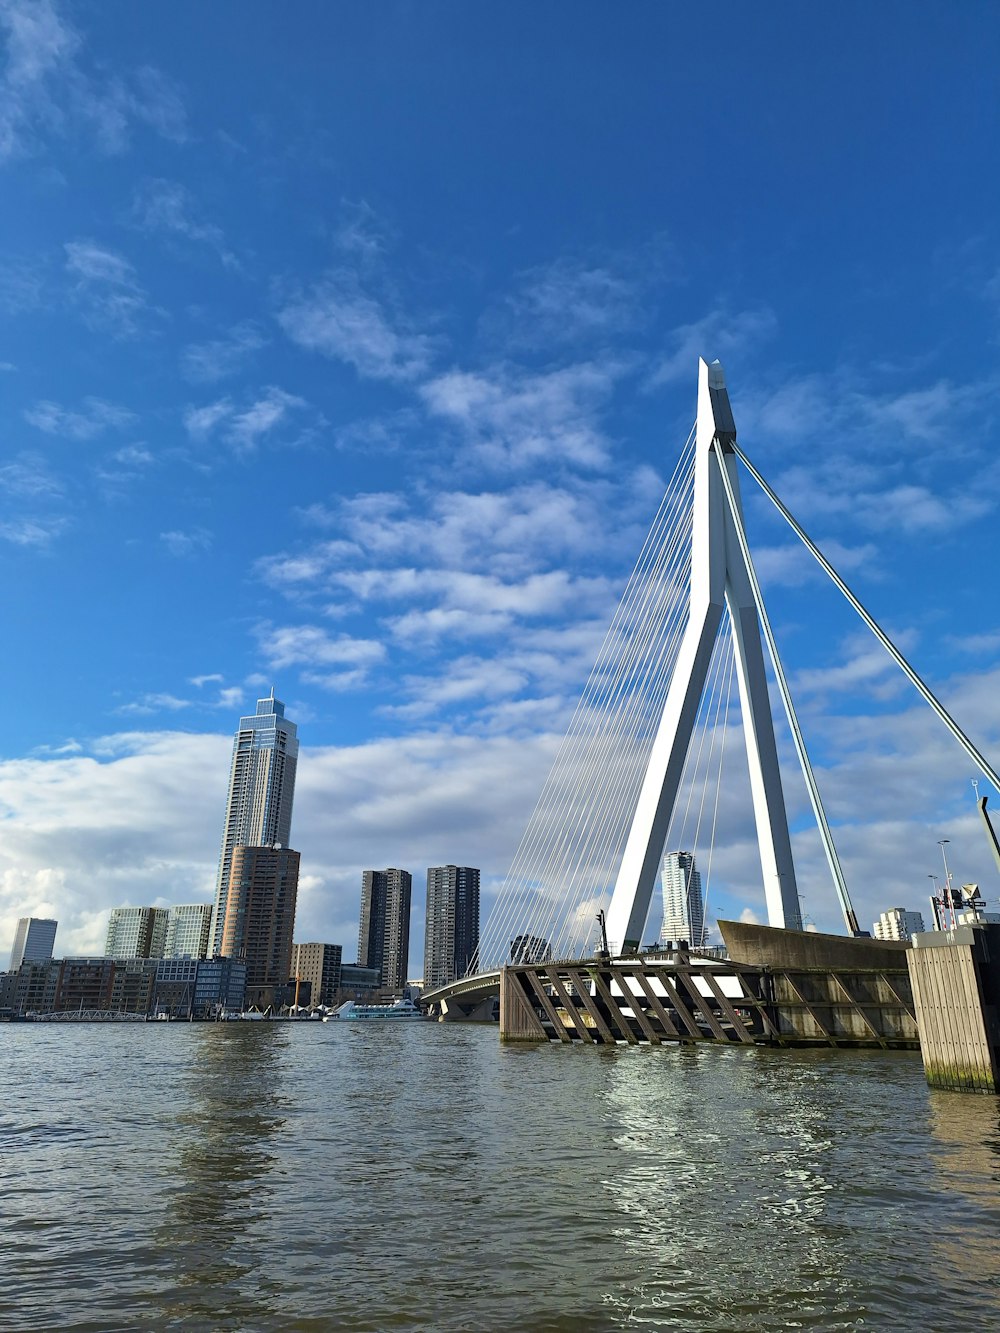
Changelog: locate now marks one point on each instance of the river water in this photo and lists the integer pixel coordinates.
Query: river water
(255, 1176)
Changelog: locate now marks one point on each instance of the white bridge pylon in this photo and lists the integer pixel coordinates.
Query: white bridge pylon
(720, 577)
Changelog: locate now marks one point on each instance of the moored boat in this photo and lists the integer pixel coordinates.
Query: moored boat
(402, 1011)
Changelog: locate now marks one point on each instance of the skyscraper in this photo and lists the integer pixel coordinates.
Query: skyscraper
(451, 935)
(34, 940)
(683, 907)
(384, 934)
(189, 928)
(136, 932)
(259, 917)
(261, 788)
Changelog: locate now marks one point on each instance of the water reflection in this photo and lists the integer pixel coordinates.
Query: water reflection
(217, 1222)
(966, 1141)
(741, 1192)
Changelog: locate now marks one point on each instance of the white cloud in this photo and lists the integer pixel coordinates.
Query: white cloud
(568, 301)
(168, 208)
(94, 418)
(515, 419)
(204, 363)
(135, 455)
(338, 319)
(243, 428)
(46, 89)
(182, 544)
(716, 335)
(37, 532)
(106, 289)
(154, 703)
(246, 428)
(308, 645)
(28, 476)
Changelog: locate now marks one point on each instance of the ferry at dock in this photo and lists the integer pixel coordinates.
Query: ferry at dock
(402, 1011)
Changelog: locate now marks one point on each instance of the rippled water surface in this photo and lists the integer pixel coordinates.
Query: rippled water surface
(276, 1176)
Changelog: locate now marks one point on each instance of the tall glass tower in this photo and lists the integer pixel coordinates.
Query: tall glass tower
(683, 905)
(261, 787)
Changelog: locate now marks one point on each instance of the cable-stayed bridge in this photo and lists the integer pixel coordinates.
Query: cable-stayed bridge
(641, 765)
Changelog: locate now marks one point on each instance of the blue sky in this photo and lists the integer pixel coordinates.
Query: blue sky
(349, 347)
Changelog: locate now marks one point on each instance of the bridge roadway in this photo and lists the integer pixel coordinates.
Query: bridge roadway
(468, 1000)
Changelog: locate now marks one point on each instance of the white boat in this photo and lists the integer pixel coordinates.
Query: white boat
(400, 1012)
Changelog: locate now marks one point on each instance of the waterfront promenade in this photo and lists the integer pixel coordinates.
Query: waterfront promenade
(311, 1177)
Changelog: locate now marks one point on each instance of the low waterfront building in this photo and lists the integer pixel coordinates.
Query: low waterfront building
(136, 932)
(320, 965)
(199, 987)
(356, 981)
(898, 924)
(31, 989)
(125, 985)
(34, 940)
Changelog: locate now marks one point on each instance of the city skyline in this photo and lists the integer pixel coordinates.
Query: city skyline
(220, 285)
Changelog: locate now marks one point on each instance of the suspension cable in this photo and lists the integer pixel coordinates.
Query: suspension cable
(911, 675)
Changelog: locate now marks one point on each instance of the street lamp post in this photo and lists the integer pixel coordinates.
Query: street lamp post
(942, 842)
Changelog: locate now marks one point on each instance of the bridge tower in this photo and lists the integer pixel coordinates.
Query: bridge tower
(720, 577)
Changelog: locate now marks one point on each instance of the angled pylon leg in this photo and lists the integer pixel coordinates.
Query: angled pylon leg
(718, 574)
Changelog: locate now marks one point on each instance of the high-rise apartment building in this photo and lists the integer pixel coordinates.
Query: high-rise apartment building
(451, 935)
(320, 965)
(259, 916)
(530, 949)
(384, 934)
(34, 940)
(189, 929)
(683, 906)
(261, 788)
(136, 932)
(898, 924)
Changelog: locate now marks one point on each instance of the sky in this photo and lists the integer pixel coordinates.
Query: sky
(348, 349)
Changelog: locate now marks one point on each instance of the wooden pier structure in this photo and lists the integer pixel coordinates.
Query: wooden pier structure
(776, 988)
(689, 998)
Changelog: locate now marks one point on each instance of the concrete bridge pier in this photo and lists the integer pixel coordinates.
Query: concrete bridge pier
(955, 975)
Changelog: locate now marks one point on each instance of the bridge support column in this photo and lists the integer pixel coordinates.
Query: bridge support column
(518, 1020)
(955, 975)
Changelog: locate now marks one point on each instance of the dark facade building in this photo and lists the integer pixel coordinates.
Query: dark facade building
(125, 985)
(384, 934)
(200, 987)
(530, 949)
(260, 917)
(451, 935)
